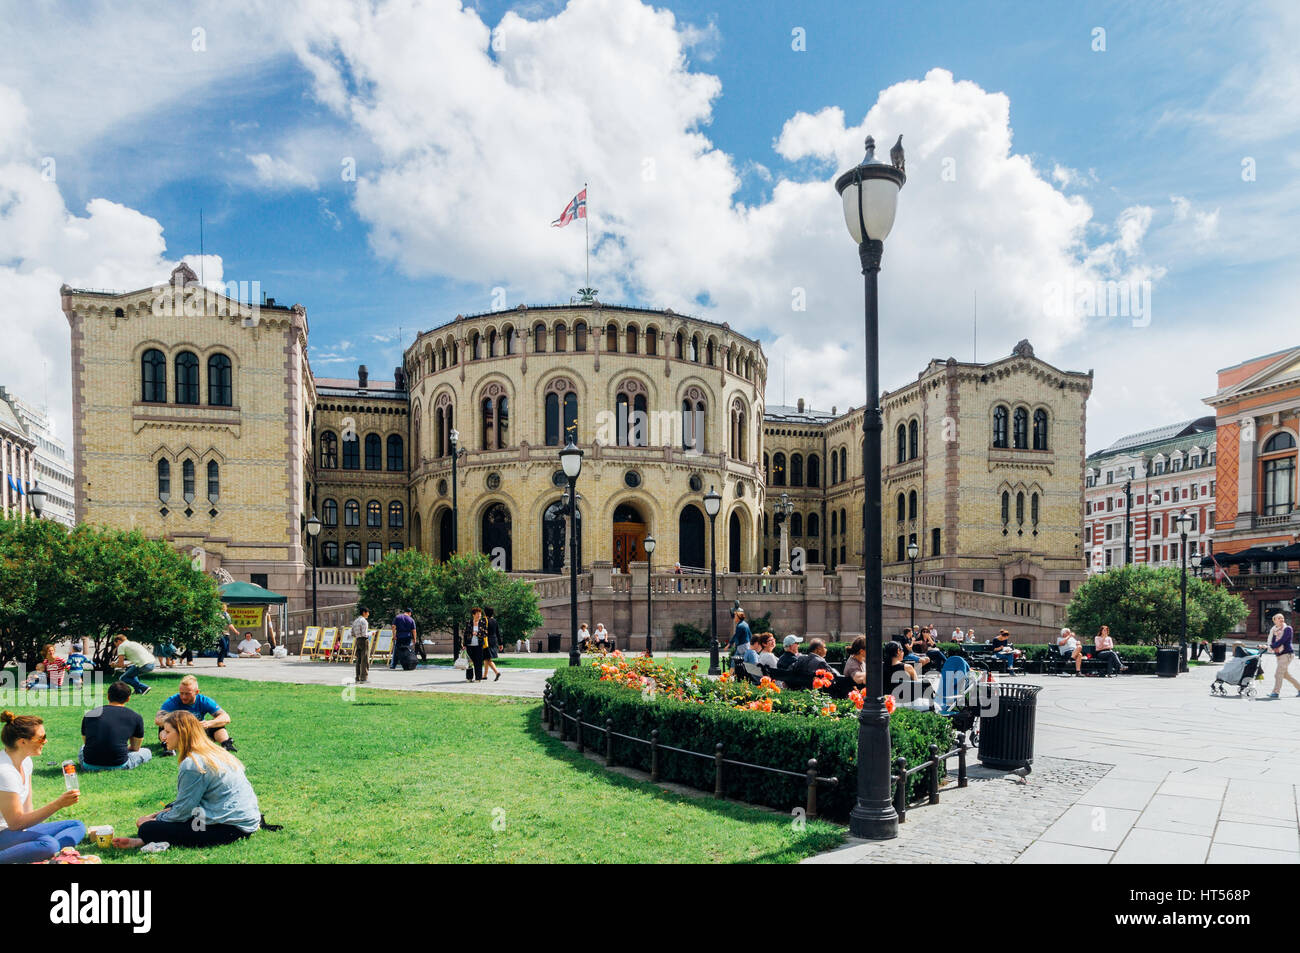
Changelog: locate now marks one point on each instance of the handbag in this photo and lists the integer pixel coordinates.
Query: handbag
(461, 662)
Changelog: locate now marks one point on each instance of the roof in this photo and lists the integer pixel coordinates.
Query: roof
(1158, 435)
(793, 415)
(348, 387)
(247, 594)
(9, 419)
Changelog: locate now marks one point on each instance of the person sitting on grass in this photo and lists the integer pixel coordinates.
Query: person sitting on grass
(134, 660)
(112, 734)
(214, 803)
(77, 664)
(25, 836)
(250, 647)
(187, 698)
(1069, 646)
(49, 671)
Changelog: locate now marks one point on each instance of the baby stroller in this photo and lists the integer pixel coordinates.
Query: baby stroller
(1240, 671)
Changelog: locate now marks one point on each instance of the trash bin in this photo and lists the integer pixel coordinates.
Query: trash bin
(1007, 731)
(553, 641)
(1167, 662)
(1218, 652)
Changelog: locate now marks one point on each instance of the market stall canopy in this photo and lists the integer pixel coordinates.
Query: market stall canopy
(247, 594)
(1258, 554)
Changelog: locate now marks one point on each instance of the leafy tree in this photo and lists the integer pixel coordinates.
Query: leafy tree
(1142, 605)
(400, 581)
(34, 593)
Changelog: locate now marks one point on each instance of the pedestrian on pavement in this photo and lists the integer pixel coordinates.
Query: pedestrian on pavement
(361, 643)
(1279, 643)
(493, 642)
(476, 641)
(223, 641)
(404, 636)
(740, 635)
(134, 660)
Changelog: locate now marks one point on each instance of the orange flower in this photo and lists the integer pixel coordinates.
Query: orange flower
(889, 704)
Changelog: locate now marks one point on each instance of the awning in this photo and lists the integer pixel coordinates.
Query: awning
(1258, 554)
(247, 594)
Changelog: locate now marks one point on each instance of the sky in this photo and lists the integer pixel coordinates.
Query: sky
(392, 164)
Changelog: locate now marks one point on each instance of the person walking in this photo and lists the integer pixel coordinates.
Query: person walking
(223, 641)
(404, 636)
(476, 641)
(25, 835)
(361, 643)
(740, 636)
(493, 642)
(1280, 639)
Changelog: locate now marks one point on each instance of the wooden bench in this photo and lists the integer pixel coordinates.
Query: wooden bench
(1054, 663)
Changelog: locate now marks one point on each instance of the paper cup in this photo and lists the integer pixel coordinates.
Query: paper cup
(104, 835)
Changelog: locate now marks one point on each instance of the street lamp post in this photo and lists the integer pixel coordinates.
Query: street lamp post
(912, 553)
(1128, 522)
(712, 504)
(571, 461)
(313, 530)
(870, 195)
(1183, 520)
(456, 454)
(36, 498)
(648, 544)
(783, 508)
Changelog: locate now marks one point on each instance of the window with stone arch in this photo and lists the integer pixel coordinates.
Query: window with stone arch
(329, 450)
(796, 469)
(512, 342)
(561, 337)
(374, 451)
(475, 347)
(913, 440)
(494, 409)
(694, 421)
(631, 342)
(652, 341)
(681, 345)
(902, 507)
(814, 471)
(911, 505)
(330, 513)
(444, 423)
(1278, 472)
(835, 468)
(560, 405)
(900, 438)
(844, 463)
(351, 513)
(778, 469)
(611, 338)
(153, 377)
(187, 378)
(1006, 509)
(1000, 420)
(374, 514)
(630, 414)
(580, 336)
(415, 437)
(738, 429)
(710, 353)
(539, 338)
(1040, 429)
(1020, 429)
(695, 348)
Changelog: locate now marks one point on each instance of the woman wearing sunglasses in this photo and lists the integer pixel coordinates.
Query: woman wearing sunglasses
(25, 835)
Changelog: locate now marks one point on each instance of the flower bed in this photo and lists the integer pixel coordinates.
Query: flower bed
(756, 724)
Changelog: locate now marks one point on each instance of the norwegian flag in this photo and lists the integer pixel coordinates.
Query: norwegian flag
(574, 210)
(1220, 574)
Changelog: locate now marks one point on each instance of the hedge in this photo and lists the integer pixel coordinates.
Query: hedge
(770, 739)
(837, 652)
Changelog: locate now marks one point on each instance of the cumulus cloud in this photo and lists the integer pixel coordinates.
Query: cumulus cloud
(277, 173)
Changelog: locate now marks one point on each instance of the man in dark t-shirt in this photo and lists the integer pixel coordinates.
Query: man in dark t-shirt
(403, 635)
(112, 734)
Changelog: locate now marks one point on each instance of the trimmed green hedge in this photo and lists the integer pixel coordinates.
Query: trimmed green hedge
(771, 739)
(837, 652)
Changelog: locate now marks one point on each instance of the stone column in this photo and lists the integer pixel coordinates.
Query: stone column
(634, 638)
(1246, 453)
(814, 597)
(850, 601)
(4, 477)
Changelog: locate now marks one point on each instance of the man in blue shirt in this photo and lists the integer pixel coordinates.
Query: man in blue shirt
(200, 706)
(403, 635)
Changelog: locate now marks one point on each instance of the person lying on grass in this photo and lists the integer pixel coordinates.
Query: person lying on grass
(214, 803)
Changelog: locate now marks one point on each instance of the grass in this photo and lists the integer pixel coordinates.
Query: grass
(418, 777)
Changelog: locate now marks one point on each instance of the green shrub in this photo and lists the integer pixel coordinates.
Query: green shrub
(687, 636)
(771, 739)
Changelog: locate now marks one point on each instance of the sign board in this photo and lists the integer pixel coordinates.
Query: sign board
(246, 617)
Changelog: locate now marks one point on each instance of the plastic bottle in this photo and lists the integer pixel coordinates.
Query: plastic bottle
(70, 776)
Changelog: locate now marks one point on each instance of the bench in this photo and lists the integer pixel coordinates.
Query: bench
(1054, 663)
(983, 656)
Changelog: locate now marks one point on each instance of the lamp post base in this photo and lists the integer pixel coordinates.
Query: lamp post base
(874, 817)
(574, 660)
(714, 668)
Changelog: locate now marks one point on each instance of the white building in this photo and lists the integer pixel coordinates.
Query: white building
(50, 465)
(1167, 471)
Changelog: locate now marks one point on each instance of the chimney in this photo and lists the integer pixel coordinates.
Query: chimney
(834, 410)
(801, 405)
(363, 376)
(399, 378)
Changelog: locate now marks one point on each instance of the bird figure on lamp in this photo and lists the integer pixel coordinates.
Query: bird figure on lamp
(896, 155)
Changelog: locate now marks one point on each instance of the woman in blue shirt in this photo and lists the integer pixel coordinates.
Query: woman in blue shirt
(214, 803)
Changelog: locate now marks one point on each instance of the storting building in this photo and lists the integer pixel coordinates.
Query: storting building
(197, 419)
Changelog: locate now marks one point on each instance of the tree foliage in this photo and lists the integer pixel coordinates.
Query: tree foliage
(1142, 605)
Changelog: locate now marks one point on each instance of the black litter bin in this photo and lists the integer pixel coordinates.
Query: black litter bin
(1007, 725)
(1167, 662)
(1218, 652)
(553, 641)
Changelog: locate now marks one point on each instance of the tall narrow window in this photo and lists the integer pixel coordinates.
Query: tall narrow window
(814, 471)
(395, 515)
(329, 450)
(329, 554)
(611, 338)
(475, 347)
(1000, 427)
(489, 423)
(351, 453)
(1020, 508)
(552, 420)
(396, 458)
(352, 554)
(580, 336)
(153, 377)
(374, 447)
(1006, 508)
(796, 469)
(1040, 430)
(778, 469)
(187, 480)
(503, 422)
(913, 440)
(164, 481)
(570, 418)
(796, 524)
(901, 439)
(492, 343)
(539, 338)
(902, 507)
(844, 463)
(330, 513)
(187, 378)
(835, 468)
(351, 513)
(1033, 509)
(214, 482)
(652, 342)
(631, 347)
(561, 337)
(374, 515)
(1020, 429)
(220, 390)
(911, 505)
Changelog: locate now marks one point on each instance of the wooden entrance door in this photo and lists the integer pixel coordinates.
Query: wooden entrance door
(627, 544)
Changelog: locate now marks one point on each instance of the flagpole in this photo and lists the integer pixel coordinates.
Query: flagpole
(586, 231)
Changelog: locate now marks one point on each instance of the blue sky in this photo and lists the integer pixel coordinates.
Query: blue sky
(1073, 164)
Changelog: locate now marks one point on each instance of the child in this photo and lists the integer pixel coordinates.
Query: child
(76, 664)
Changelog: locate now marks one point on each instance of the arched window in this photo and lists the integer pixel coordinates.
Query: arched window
(901, 439)
(329, 450)
(351, 513)
(552, 420)
(911, 505)
(681, 345)
(1033, 509)
(844, 463)
(539, 338)
(396, 458)
(153, 377)
(814, 525)
(330, 513)
(835, 468)
(814, 471)
(1020, 508)
(738, 431)
(395, 515)
(1006, 508)
(1040, 430)
(351, 453)
(187, 481)
(352, 554)
(902, 507)
(164, 481)
(1000, 427)
(329, 554)
(488, 407)
(778, 470)
(561, 337)
(496, 535)
(652, 342)
(913, 440)
(767, 470)
(374, 448)
(570, 418)
(796, 469)
(695, 348)
(220, 389)
(475, 347)
(835, 519)
(709, 353)
(214, 482)
(492, 343)
(187, 378)
(796, 524)
(511, 339)
(1020, 429)
(374, 515)
(1279, 474)
(693, 422)
(631, 347)
(580, 336)
(631, 418)
(611, 338)
(561, 413)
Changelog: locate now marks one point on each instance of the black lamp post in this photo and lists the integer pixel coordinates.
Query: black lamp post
(912, 553)
(571, 461)
(782, 510)
(1182, 520)
(313, 530)
(36, 499)
(648, 544)
(870, 195)
(712, 504)
(1128, 522)
(456, 454)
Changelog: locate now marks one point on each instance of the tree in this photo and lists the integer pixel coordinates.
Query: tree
(1142, 605)
(34, 593)
(400, 581)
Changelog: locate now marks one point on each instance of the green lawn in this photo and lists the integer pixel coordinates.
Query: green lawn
(419, 777)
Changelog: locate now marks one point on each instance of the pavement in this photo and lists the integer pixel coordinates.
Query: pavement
(1134, 769)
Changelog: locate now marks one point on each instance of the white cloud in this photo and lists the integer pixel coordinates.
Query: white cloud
(277, 173)
(1204, 225)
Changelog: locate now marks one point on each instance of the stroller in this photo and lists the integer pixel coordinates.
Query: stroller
(1240, 671)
